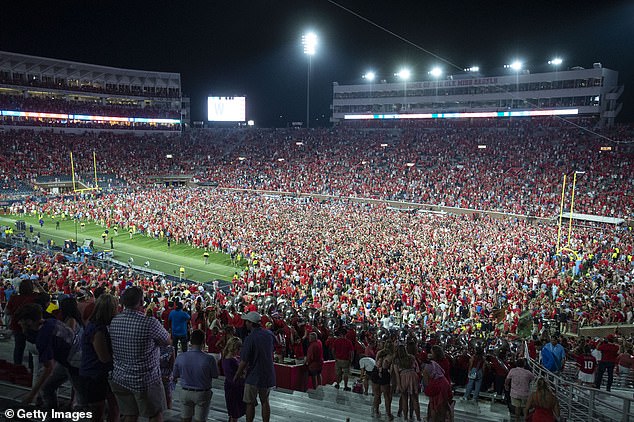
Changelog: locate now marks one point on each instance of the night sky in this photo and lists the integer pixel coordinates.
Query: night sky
(253, 47)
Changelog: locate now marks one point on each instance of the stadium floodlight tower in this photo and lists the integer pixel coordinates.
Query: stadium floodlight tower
(404, 74)
(516, 66)
(556, 62)
(370, 76)
(309, 40)
(436, 73)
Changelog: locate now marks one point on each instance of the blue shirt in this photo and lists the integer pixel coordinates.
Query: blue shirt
(196, 369)
(553, 357)
(91, 366)
(179, 319)
(53, 342)
(257, 351)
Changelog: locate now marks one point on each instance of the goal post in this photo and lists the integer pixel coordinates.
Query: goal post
(72, 169)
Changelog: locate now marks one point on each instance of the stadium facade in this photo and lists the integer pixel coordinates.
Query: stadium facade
(80, 94)
(593, 92)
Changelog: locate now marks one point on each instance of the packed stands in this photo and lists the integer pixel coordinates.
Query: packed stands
(514, 169)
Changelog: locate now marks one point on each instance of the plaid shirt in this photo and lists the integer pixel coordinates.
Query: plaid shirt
(136, 341)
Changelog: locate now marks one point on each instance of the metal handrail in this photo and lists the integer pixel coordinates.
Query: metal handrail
(581, 403)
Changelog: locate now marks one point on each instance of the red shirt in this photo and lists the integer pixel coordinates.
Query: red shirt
(315, 355)
(17, 302)
(342, 348)
(587, 364)
(609, 352)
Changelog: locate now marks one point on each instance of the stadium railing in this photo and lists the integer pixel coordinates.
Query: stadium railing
(582, 403)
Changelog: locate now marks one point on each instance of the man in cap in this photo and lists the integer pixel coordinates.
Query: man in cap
(257, 355)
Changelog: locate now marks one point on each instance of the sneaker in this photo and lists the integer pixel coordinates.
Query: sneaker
(347, 389)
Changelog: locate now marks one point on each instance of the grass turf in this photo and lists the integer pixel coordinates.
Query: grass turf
(140, 248)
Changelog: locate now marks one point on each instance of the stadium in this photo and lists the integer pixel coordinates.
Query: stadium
(462, 223)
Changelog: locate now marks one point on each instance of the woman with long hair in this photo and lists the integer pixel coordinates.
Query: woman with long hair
(438, 355)
(438, 389)
(542, 404)
(407, 370)
(384, 360)
(236, 407)
(96, 360)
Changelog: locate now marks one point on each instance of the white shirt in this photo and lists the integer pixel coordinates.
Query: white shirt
(367, 363)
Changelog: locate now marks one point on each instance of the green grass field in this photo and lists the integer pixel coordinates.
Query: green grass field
(140, 248)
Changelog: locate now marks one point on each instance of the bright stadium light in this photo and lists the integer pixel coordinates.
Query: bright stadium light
(556, 61)
(436, 72)
(404, 74)
(472, 69)
(310, 41)
(516, 66)
(369, 76)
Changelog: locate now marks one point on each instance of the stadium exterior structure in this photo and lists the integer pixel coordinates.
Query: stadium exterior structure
(593, 92)
(25, 76)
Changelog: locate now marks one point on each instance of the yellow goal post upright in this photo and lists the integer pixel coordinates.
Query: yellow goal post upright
(72, 169)
(567, 247)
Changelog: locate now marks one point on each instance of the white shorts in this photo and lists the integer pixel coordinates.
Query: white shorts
(588, 378)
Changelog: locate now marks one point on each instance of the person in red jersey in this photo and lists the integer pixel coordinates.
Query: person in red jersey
(315, 359)
(587, 367)
(343, 350)
(609, 352)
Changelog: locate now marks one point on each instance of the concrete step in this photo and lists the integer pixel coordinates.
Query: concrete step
(327, 404)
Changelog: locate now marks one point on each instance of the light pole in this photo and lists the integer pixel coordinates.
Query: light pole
(309, 40)
(516, 66)
(555, 63)
(436, 72)
(404, 74)
(370, 76)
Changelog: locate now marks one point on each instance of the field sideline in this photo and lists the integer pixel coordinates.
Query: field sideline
(140, 248)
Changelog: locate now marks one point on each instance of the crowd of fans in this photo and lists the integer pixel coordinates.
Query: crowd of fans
(67, 290)
(21, 81)
(367, 262)
(520, 170)
(398, 281)
(96, 108)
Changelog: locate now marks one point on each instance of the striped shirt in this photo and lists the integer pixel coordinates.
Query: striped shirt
(136, 341)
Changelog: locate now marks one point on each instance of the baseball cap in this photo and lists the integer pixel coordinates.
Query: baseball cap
(252, 316)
